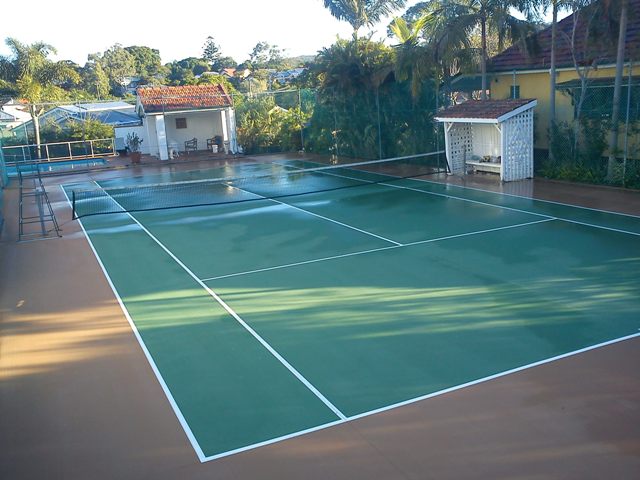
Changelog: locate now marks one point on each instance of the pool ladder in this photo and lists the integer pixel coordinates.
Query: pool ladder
(32, 187)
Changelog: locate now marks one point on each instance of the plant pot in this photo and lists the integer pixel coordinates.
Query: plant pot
(135, 157)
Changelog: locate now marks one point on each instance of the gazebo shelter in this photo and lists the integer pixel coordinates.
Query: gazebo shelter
(490, 136)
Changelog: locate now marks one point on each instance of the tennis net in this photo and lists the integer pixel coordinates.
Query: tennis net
(280, 180)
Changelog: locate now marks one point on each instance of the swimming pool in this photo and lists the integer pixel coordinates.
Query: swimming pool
(59, 166)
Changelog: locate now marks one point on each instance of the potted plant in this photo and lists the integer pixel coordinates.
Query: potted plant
(133, 144)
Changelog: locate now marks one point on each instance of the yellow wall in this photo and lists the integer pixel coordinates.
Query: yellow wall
(536, 85)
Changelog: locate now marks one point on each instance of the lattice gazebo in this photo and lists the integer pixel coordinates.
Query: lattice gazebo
(490, 136)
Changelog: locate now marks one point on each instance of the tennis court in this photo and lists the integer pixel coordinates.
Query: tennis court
(291, 297)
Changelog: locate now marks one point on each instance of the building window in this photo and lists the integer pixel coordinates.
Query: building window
(181, 123)
(514, 91)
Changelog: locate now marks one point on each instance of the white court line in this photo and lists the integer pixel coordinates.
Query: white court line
(398, 244)
(304, 262)
(373, 250)
(464, 187)
(273, 440)
(592, 225)
(343, 419)
(494, 376)
(528, 198)
(433, 394)
(136, 333)
(231, 312)
(429, 193)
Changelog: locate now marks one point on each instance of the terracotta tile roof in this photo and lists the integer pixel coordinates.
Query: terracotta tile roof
(486, 109)
(602, 50)
(188, 97)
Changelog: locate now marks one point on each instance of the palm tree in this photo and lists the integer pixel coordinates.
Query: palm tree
(360, 13)
(464, 16)
(35, 76)
(412, 58)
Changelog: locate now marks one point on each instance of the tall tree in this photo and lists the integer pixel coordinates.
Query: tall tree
(463, 16)
(36, 77)
(211, 51)
(446, 50)
(146, 61)
(617, 88)
(532, 8)
(265, 55)
(361, 13)
(118, 64)
(412, 57)
(95, 80)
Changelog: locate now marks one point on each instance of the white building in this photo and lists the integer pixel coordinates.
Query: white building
(175, 116)
(13, 114)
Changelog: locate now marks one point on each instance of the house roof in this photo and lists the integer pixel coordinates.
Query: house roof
(485, 111)
(601, 50)
(463, 83)
(188, 97)
(117, 114)
(102, 106)
(117, 118)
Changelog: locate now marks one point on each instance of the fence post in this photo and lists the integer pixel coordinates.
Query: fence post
(301, 124)
(70, 152)
(379, 126)
(626, 129)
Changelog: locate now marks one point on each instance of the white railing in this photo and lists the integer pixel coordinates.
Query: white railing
(50, 152)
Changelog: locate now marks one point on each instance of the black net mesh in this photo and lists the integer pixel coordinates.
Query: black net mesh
(291, 179)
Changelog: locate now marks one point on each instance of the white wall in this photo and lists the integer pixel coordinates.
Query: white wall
(486, 140)
(201, 125)
(122, 132)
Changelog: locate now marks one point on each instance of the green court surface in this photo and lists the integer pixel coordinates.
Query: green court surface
(270, 318)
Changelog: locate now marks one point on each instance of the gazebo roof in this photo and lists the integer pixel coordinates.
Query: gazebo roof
(486, 111)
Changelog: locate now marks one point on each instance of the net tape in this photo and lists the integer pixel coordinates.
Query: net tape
(288, 181)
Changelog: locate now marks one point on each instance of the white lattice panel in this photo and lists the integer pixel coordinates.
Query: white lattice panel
(517, 159)
(460, 146)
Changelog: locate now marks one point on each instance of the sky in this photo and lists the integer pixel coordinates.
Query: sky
(178, 29)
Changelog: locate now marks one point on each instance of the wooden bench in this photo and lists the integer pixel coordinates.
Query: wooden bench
(484, 166)
(191, 145)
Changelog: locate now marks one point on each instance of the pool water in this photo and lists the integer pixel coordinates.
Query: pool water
(59, 166)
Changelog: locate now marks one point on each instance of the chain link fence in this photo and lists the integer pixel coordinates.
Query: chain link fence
(370, 124)
(579, 148)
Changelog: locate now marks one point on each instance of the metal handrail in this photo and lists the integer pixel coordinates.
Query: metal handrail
(28, 152)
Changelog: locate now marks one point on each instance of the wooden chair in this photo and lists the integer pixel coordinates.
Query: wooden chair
(191, 145)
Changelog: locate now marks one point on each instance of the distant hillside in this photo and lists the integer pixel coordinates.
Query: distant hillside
(300, 60)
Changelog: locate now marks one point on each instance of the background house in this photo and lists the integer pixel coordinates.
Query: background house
(173, 115)
(515, 73)
(286, 76)
(116, 114)
(13, 114)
